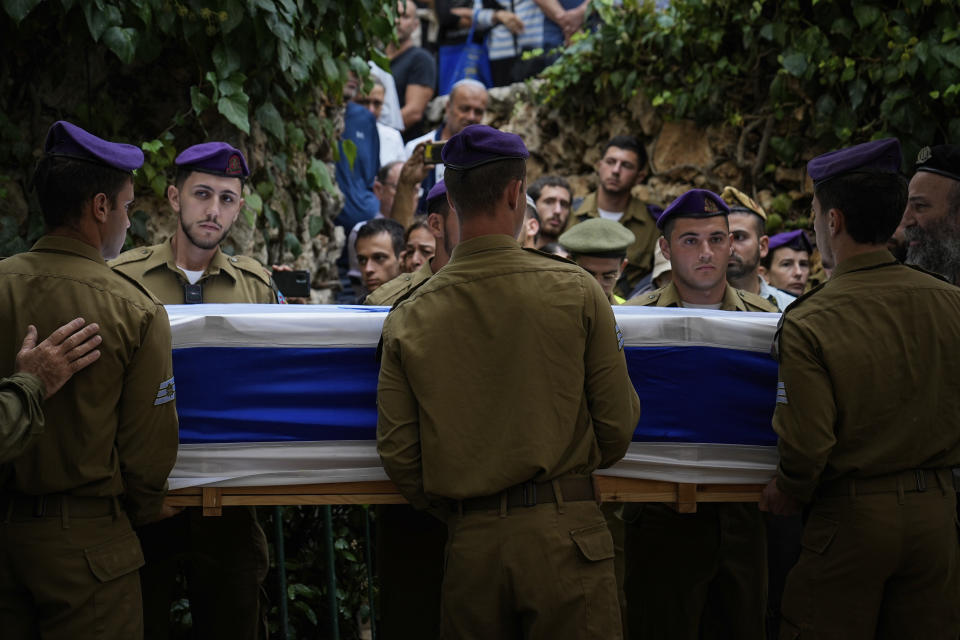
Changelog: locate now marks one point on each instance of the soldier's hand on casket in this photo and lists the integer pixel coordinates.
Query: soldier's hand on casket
(778, 502)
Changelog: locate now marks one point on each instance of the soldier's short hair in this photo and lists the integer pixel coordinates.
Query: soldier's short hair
(630, 143)
(383, 225)
(477, 190)
(872, 203)
(535, 190)
(65, 184)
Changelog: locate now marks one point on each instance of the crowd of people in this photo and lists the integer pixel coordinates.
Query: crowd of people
(494, 449)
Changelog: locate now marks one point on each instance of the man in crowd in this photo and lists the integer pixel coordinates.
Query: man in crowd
(621, 167)
(39, 371)
(530, 228)
(355, 178)
(444, 226)
(748, 223)
(865, 448)
(379, 245)
(467, 105)
(599, 246)
(931, 219)
(512, 482)
(224, 558)
(391, 143)
(687, 572)
(413, 69)
(553, 197)
(68, 552)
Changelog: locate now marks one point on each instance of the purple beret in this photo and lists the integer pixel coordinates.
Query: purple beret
(70, 141)
(438, 190)
(877, 156)
(943, 159)
(696, 203)
(796, 240)
(217, 158)
(478, 144)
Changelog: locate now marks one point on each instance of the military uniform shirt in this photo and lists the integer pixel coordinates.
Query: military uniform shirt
(21, 418)
(112, 429)
(226, 279)
(868, 371)
(389, 292)
(505, 366)
(733, 300)
(636, 218)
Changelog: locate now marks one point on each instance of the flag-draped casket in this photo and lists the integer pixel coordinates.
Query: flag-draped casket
(279, 395)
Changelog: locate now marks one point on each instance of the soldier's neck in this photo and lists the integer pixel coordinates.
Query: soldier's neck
(189, 256)
(748, 282)
(609, 201)
(714, 295)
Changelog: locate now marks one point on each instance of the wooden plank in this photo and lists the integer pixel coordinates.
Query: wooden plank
(683, 496)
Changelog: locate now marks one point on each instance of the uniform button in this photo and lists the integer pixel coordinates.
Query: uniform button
(652, 296)
(233, 259)
(146, 251)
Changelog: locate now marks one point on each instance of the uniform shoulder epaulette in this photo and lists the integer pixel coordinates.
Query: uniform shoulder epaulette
(388, 289)
(253, 267)
(552, 256)
(758, 301)
(647, 299)
(929, 273)
(804, 296)
(139, 285)
(133, 255)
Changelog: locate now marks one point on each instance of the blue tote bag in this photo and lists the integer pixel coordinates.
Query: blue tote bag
(467, 60)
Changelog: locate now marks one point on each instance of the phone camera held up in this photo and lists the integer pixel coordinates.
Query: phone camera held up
(293, 284)
(431, 152)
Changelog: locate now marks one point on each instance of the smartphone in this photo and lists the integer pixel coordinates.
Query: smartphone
(293, 284)
(431, 152)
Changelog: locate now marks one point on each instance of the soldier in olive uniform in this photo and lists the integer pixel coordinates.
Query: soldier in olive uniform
(445, 229)
(68, 504)
(696, 575)
(498, 425)
(599, 246)
(869, 420)
(224, 558)
(622, 166)
(38, 372)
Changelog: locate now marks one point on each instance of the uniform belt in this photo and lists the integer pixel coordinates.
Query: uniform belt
(912, 480)
(56, 505)
(530, 494)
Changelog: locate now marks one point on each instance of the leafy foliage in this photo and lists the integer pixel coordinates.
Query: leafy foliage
(177, 72)
(828, 72)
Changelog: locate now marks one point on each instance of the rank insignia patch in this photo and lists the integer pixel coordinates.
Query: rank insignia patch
(619, 337)
(781, 393)
(166, 392)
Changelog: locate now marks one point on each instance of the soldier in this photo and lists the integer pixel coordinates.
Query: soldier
(865, 447)
(748, 223)
(931, 221)
(689, 575)
(224, 558)
(622, 166)
(68, 552)
(599, 246)
(553, 198)
(787, 263)
(38, 372)
(467, 436)
(446, 231)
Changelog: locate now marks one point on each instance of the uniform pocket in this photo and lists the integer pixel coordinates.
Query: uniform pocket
(819, 533)
(594, 542)
(118, 557)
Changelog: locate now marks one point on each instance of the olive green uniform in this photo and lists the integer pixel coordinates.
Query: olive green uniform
(224, 558)
(21, 418)
(869, 423)
(389, 292)
(703, 574)
(532, 387)
(636, 218)
(226, 279)
(68, 504)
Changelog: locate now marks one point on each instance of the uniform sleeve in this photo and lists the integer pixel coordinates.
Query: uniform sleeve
(611, 397)
(398, 425)
(147, 436)
(805, 415)
(21, 417)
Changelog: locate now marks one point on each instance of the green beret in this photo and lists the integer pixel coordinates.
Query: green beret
(597, 237)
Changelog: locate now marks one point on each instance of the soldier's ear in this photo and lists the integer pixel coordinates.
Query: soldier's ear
(99, 204)
(764, 243)
(665, 247)
(173, 197)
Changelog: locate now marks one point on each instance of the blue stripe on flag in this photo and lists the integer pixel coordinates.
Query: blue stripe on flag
(235, 394)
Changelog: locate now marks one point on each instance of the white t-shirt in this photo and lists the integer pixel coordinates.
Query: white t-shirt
(610, 215)
(391, 145)
(390, 114)
(192, 276)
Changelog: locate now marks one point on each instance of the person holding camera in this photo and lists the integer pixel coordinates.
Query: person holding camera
(224, 558)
